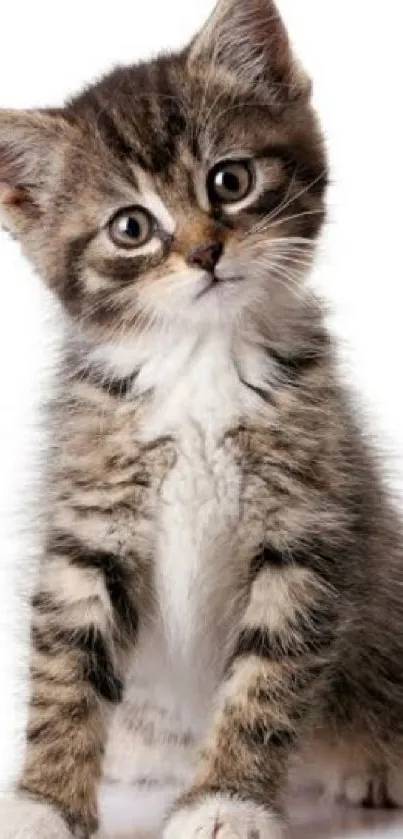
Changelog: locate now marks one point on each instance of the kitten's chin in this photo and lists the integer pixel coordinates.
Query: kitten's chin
(220, 301)
(198, 302)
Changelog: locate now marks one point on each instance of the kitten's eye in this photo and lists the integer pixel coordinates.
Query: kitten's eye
(131, 228)
(230, 181)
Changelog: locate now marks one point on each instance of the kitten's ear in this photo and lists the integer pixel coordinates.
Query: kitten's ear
(248, 39)
(31, 143)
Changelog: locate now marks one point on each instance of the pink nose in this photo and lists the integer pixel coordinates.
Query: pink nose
(205, 256)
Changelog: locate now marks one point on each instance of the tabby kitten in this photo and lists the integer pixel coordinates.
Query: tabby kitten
(217, 531)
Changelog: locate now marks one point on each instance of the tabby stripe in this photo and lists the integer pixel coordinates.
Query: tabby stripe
(118, 388)
(268, 201)
(279, 151)
(268, 558)
(297, 164)
(69, 281)
(119, 580)
(312, 633)
(323, 559)
(98, 665)
(78, 709)
(260, 733)
(123, 271)
(294, 366)
(254, 641)
(114, 138)
(172, 118)
(44, 603)
(93, 653)
(263, 394)
(40, 673)
(79, 712)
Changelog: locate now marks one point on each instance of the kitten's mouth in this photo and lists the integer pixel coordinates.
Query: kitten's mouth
(215, 282)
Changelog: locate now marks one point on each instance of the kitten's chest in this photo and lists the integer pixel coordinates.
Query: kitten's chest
(198, 583)
(199, 515)
(202, 540)
(199, 542)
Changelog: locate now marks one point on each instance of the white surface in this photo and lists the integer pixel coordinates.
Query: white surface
(353, 51)
(128, 812)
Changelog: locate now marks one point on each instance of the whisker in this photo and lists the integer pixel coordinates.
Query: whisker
(268, 216)
(299, 194)
(268, 223)
(296, 216)
(273, 216)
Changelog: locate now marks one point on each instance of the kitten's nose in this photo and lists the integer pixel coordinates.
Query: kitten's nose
(206, 256)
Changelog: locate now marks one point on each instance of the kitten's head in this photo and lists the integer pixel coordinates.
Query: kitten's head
(188, 189)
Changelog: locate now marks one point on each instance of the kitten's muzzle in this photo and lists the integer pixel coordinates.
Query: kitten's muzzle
(205, 256)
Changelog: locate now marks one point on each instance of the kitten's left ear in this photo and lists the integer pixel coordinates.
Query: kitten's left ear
(248, 39)
(31, 145)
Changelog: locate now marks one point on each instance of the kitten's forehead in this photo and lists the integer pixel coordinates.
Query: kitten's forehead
(167, 120)
(141, 140)
(138, 112)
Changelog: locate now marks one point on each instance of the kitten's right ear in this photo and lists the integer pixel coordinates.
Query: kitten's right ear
(31, 145)
(248, 40)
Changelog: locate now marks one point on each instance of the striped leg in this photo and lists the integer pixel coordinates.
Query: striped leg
(271, 688)
(85, 620)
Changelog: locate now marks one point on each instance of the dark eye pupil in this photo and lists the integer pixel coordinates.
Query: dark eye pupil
(132, 228)
(228, 181)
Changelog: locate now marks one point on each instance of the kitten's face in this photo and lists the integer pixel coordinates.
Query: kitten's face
(186, 190)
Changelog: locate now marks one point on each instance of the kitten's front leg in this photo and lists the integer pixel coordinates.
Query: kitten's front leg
(271, 691)
(84, 620)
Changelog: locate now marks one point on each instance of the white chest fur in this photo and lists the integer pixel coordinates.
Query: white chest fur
(196, 561)
(202, 544)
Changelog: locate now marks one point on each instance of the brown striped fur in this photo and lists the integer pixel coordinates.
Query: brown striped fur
(291, 628)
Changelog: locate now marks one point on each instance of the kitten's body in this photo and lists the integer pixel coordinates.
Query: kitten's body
(218, 536)
(200, 582)
(199, 574)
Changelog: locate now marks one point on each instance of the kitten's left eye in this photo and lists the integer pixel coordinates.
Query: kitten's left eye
(230, 181)
(131, 228)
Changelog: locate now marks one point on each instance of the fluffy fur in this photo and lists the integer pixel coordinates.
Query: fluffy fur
(220, 548)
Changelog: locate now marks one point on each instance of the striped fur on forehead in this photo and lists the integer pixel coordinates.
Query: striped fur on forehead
(139, 112)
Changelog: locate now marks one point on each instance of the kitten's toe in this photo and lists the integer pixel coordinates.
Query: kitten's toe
(223, 817)
(375, 793)
(356, 789)
(24, 818)
(395, 786)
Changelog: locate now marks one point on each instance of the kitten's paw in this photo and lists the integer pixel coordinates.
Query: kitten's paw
(223, 817)
(382, 792)
(395, 786)
(24, 818)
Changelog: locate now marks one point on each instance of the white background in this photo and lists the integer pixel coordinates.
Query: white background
(352, 48)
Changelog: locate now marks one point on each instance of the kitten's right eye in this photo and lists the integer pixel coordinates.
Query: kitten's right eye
(131, 228)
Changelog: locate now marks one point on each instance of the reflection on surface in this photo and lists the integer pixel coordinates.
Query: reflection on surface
(313, 820)
(133, 813)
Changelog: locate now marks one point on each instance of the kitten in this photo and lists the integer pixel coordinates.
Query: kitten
(218, 533)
